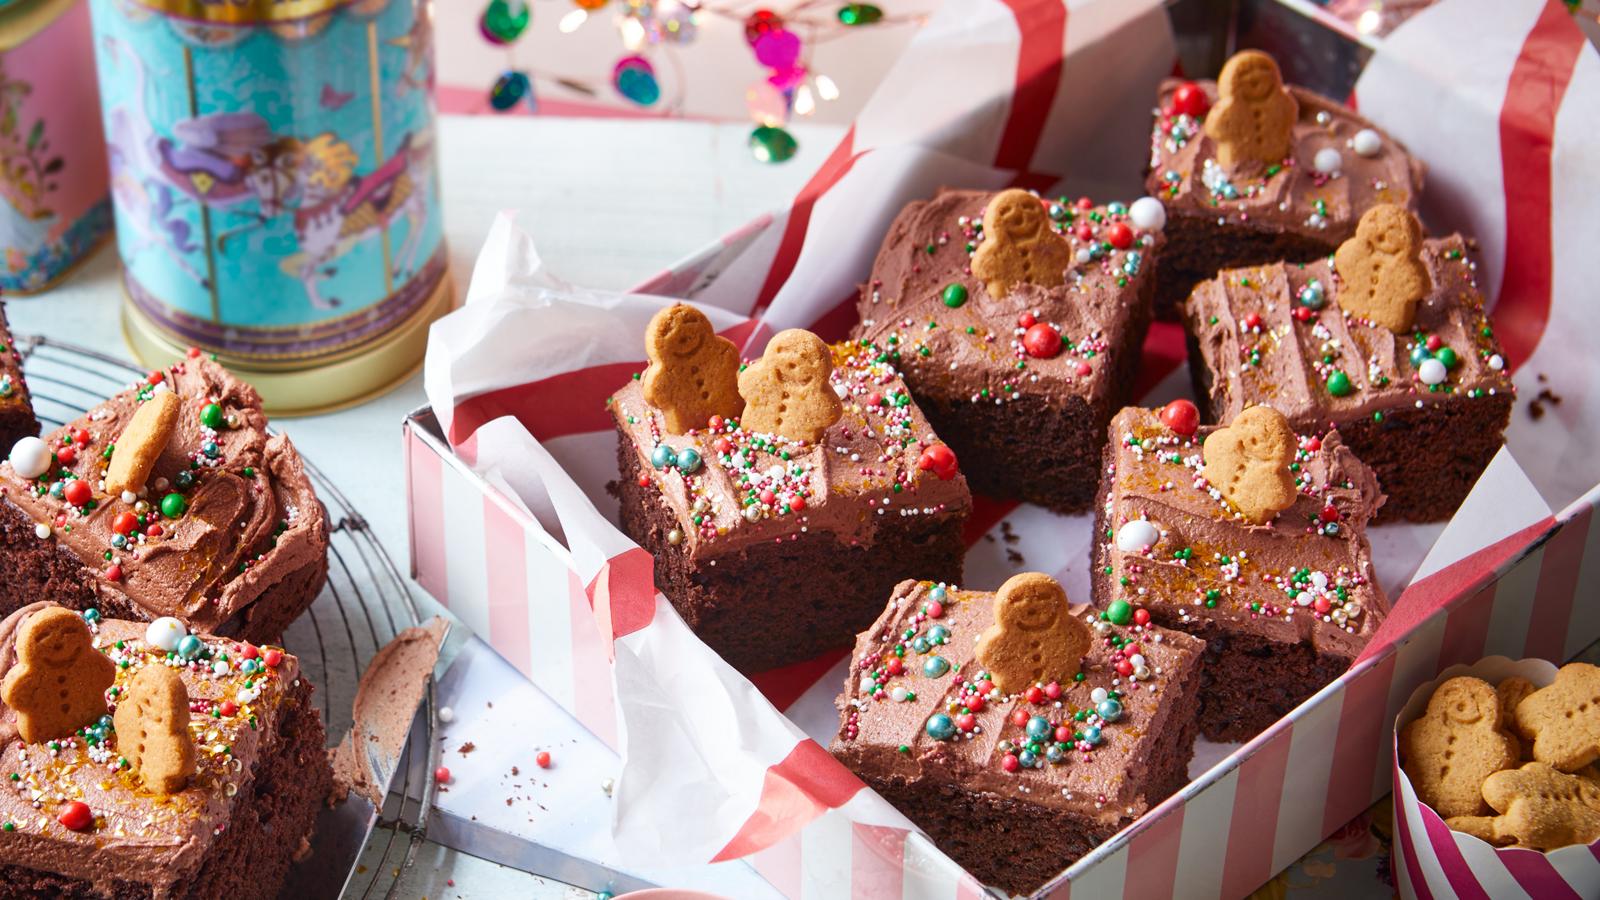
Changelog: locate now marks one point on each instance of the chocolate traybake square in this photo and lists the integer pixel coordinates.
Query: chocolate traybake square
(218, 526)
(17, 420)
(1016, 783)
(102, 810)
(1425, 409)
(775, 549)
(1284, 606)
(1019, 374)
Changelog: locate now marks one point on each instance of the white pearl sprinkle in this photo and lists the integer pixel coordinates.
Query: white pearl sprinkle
(1497, 362)
(41, 531)
(1137, 535)
(1366, 142)
(446, 714)
(1147, 214)
(30, 457)
(1431, 372)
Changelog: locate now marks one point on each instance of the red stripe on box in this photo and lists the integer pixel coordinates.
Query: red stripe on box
(781, 866)
(1248, 862)
(427, 519)
(1350, 784)
(623, 593)
(794, 228)
(1408, 849)
(1042, 33)
(877, 861)
(806, 784)
(1425, 597)
(566, 403)
(1467, 629)
(1557, 590)
(592, 702)
(1538, 83)
(1533, 872)
(986, 514)
(505, 554)
(1153, 858)
(1448, 856)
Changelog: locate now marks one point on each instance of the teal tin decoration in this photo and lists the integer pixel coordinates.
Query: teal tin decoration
(275, 186)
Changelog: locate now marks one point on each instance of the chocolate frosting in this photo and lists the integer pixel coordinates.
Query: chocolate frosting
(1184, 172)
(1261, 579)
(884, 718)
(976, 348)
(13, 387)
(251, 519)
(1285, 361)
(137, 836)
(865, 467)
(386, 703)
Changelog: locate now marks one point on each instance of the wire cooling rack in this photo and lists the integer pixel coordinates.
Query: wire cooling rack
(364, 605)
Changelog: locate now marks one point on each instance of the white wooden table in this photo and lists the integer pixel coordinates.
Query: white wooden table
(609, 203)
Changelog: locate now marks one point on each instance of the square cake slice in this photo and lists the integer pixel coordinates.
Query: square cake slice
(217, 525)
(87, 813)
(1284, 607)
(1298, 206)
(1016, 786)
(774, 549)
(17, 420)
(1425, 409)
(1019, 374)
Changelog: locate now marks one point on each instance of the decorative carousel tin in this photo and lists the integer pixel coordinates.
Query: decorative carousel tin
(273, 172)
(54, 207)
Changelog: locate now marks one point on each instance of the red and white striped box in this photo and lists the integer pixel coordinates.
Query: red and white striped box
(1433, 861)
(512, 529)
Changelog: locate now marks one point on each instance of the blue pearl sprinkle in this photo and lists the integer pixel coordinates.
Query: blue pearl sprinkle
(688, 460)
(1028, 759)
(118, 541)
(937, 593)
(1038, 728)
(210, 449)
(190, 646)
(935, 666)
(1109, 709)
(91, 615)
(941, 727)
(58, 490)
(1091, 735)
(938, 634)
(662, 457)
(920, 644)
(1055, 754)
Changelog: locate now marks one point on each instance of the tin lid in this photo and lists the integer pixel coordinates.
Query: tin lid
(253, 12)
(20, 20)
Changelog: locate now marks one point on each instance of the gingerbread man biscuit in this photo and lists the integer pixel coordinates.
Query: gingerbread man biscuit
(693, 373)
(1253, 120)
(1455, 745)
(1511, 691)
(1539, 808)
(1034, 638)
(1248, 461)
(152, 722)
(1019, 246)
(1381, 276)
(1563, 718)
(786, 391)
(141, 443)
(58, 683)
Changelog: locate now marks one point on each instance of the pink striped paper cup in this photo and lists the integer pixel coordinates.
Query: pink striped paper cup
(1431, 861)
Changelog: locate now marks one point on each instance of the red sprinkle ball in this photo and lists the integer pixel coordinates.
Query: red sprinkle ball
(1042, 341)
(542, 759)
(940, 460)
(78, 492)
(1120, 235)
(441, 775)
(1190, 100)
(1182, 416)
(1009, 762)
(67, 456)
(76, 815)
(272, 658)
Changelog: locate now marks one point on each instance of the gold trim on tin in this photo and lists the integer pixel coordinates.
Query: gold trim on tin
(244, 12)
(20, 21)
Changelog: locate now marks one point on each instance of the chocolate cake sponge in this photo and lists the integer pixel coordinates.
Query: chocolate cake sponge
(1425, 410)
(1295, 210)
(1284, 607)
(227, 535)
(1021, 386)
(921, 724)
(776, 550)
(17, 419)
